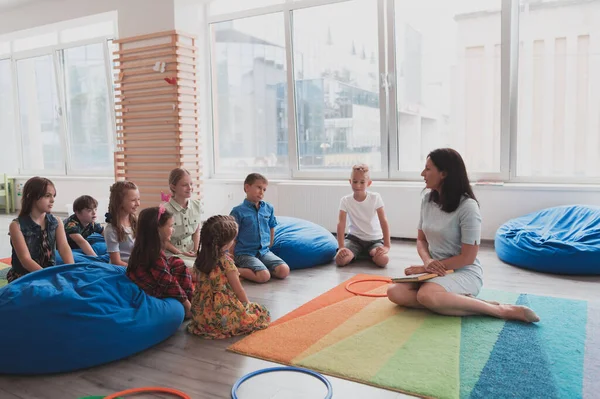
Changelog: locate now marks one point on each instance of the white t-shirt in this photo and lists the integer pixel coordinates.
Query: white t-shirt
(113, 245)
(363, 222)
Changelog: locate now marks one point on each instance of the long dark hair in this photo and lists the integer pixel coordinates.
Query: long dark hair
(34, 189)
(456, 183)
(147, 246)
(215, 233)
(118, 191)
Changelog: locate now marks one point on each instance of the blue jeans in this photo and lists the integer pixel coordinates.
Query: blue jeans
(268, 261)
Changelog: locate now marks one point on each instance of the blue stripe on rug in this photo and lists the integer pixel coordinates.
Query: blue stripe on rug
(562, 334)
(591, 380)
(518, 366)
(478, 336)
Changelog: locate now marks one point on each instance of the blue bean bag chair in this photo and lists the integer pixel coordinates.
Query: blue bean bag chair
(563, 240)
(302, 244)
(70, 317)
(98, 245)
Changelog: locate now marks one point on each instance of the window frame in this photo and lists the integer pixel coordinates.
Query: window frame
(509, 69)
(56, 53)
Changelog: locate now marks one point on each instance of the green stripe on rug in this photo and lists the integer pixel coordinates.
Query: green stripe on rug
(373, 314)
(478, 337)
(428, 364)
(362, 355)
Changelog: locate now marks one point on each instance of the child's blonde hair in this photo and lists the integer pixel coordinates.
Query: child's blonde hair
(361, 168)
(176, 175)
(118, 191)
(215, 233)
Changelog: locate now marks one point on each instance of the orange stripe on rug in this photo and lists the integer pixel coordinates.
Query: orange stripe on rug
(330, 297)
(376, 312)
(362, 355)
(282, 342)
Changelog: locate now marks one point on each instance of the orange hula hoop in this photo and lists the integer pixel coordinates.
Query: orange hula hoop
(383, 280)
(149, 389)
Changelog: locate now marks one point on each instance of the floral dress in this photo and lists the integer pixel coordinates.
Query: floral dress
(217, 312)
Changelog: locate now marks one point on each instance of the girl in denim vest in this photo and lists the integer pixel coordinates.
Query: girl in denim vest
(36, 233)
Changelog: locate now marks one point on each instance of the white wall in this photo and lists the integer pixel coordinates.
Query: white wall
(69, 188)
(136, 17)
(319, 201)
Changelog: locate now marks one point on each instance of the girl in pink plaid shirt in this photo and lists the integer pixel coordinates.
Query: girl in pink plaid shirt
(148, 266)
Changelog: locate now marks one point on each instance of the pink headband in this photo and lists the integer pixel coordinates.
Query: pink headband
(161, 210)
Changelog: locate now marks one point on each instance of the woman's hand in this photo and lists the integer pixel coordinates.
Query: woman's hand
(414, 270)
(435, 266)
(189, 254)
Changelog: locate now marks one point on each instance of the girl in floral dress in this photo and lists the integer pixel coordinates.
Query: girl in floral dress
(220, 307)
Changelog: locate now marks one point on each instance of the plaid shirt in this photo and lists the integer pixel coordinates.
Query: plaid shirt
(165, 279)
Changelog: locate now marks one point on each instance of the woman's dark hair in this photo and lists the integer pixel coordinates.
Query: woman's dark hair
(34, 189)
(147, 245)
(215, 233)
(456, 183)
(118, 191)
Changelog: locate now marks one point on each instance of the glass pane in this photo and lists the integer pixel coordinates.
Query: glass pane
(39, 114)
(88, 108)
(217, 7)
(336, 72)
(7, 119)
(559, 90)
(249, 95)
(448, 81)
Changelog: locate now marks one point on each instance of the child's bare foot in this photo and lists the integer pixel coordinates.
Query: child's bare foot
(518, 312)
(343, 257)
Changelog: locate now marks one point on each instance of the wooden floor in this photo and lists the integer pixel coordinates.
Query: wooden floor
(204, 369)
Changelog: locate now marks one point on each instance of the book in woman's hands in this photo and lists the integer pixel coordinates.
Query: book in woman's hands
(415, 278)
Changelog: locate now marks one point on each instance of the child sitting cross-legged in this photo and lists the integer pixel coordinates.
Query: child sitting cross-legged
(369, 232)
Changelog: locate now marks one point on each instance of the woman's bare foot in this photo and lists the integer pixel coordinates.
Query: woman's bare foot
(518, 312)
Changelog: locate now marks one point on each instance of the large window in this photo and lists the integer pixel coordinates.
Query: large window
(559, 90)
(7, 121)
(55, 97)
(88, 108)
(336, 75)
(448, 81)
(513, 85)
(250, 95)
(65, 120)
(39, 115)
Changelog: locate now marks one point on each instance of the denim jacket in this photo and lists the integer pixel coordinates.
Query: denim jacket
(32, 232)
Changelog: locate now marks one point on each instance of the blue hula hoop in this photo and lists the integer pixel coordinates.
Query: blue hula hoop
(282, 368)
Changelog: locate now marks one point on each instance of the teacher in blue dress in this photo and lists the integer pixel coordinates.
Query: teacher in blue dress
(449, 234)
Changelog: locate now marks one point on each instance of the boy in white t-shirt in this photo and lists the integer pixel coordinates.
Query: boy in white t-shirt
(368, 229)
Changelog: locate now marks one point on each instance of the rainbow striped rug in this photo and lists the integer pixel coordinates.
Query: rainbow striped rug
(4, 268)
(369, 340)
